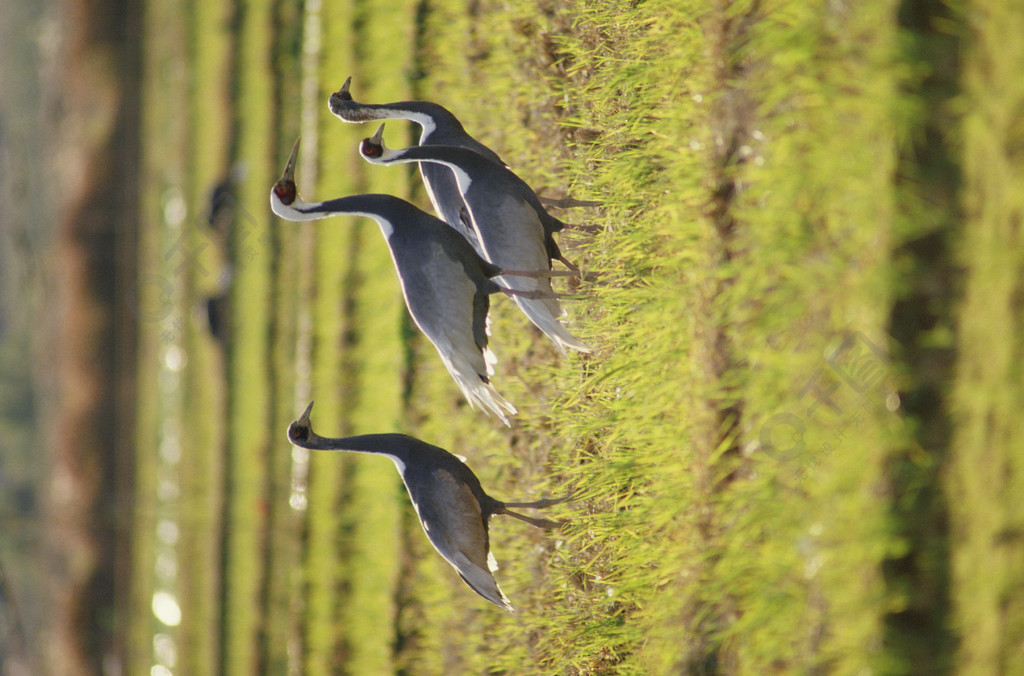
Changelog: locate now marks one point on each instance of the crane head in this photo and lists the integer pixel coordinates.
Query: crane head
(373, 147)
(341, 104)
(285, 187)
(343, 93)
(301, 430)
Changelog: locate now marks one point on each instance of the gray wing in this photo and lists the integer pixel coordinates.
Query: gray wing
(514, 238)
(447, 200)
(512, 234)
(453, 521)
(444, 301)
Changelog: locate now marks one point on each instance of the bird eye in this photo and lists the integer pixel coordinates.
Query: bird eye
(297, 433)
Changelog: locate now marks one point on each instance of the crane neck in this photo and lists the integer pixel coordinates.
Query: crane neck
(387, 210)
(360, 443)
(461, 161)
(438, 126)
(452, 156)
(401, 111)
(389, 445)
(430, 116)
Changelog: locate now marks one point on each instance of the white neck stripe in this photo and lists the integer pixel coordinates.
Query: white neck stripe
(300, 210)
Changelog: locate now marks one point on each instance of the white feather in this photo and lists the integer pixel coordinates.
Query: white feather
(461, 177)
(539, 313)
(399, 465)
(479, 394)
(490, 360)
(300, 210)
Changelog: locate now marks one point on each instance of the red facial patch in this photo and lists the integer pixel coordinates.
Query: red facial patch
(371, 149)
(285, 191)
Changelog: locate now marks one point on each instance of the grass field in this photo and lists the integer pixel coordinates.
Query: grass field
(795, 447)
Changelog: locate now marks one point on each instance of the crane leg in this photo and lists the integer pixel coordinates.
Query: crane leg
(555, 253)
(568, 263)
(568, 202)
(539, 523)
(585, 228)
(537, 504)
(537, 274)
(537, 294)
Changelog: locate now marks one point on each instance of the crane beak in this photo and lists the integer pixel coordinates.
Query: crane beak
(304, 418)
(343, 92)
(378, 136)
(289, 169)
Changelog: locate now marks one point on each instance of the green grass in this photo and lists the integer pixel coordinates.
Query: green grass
(159, 303)
(376, 369)
(250, 446)
(323, 641)
(208, 44)
(983, 478)
(763, 479)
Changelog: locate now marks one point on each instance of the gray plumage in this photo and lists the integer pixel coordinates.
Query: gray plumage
(438, 126)
(446, 285)
(452, 506)
(513, 228)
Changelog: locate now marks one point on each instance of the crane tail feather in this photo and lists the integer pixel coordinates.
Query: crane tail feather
(478, 393)
(539, 312)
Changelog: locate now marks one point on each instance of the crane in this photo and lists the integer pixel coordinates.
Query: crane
(513, 228)
(445, 284)
(452, 506)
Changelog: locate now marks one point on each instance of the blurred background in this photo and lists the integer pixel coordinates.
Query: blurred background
(69, 143)
(796, 447)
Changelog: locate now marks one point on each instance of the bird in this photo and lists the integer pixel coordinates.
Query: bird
(438, 126)
(222, 217)
(451, 504)
(445, 283)
(513, 228)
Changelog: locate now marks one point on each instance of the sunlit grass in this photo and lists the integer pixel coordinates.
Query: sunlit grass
(375, 360)
(323, 555)
(250, 434)
(736, 506)
(358, 372)
(985, 476)
(208, 45)
(683, 531)
(159, 304)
